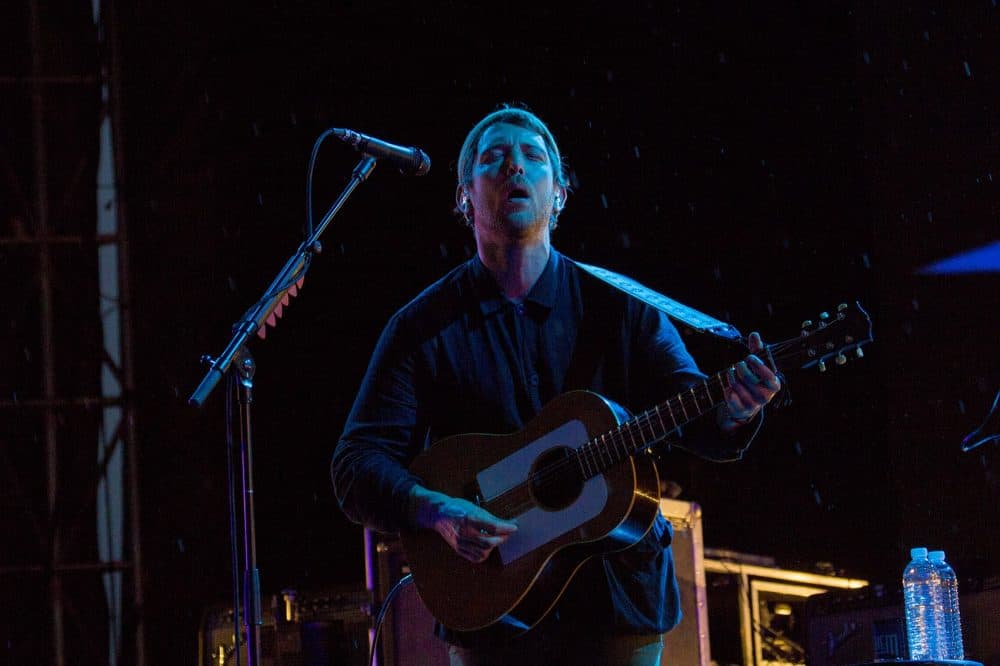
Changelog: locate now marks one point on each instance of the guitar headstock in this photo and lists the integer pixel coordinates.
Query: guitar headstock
(831, 340)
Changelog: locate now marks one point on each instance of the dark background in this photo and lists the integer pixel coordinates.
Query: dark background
(761, 164)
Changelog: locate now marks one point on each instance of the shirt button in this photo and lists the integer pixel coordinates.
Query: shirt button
(533, 380)
(519, 308)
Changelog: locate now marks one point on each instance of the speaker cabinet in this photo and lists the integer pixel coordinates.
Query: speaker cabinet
(688, 642)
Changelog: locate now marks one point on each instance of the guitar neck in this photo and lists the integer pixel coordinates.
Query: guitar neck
(652, 426)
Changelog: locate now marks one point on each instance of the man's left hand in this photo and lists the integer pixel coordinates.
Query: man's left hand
(751, 386)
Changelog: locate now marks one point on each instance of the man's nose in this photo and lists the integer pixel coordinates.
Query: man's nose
(514, 164)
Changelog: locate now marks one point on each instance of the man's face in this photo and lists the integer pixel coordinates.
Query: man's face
(513, 184)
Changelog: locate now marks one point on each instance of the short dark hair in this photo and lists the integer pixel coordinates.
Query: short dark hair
(515, 115)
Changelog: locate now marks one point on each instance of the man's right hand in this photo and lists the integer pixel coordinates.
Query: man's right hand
(470, 530)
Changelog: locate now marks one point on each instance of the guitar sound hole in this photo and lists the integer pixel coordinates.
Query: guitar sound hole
(554, 483)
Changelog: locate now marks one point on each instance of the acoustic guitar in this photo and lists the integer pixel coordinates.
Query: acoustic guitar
(575, 481)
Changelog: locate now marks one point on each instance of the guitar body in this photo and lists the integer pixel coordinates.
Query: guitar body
(561, 523)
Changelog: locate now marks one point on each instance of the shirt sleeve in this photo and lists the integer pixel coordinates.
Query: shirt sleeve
(673, 369)
(380, 438)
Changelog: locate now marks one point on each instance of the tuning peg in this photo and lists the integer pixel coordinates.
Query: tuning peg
(840, 359)
(858, 353)
(824, 315)
(842, 307)
(822, 366)
(807, 323)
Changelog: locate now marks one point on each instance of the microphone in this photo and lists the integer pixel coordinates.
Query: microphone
(411, 161)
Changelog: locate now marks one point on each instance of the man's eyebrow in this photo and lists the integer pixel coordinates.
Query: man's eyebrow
(523, 144)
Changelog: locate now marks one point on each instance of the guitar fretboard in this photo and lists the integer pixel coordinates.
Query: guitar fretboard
(652, 426)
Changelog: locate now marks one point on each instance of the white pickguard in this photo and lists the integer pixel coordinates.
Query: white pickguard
(538, 526)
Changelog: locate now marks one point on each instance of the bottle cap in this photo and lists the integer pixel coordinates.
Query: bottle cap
(936, 556)
(918, 553)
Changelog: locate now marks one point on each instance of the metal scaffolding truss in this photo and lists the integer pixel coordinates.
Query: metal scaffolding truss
(73, 572)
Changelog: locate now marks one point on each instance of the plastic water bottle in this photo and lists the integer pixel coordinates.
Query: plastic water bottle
(951, 636)
(922, 605)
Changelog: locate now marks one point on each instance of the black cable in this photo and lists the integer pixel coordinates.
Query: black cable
(309, 181)
(400, 584)
(308, 233)
(967, 444)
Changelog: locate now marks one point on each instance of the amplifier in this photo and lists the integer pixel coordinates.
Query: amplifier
(301, 628)
(756, 609)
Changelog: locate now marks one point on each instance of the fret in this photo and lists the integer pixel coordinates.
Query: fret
(602, 448)
(694, 396)
(708, 393)
(588, 456)
(652, 427)
(672, 417)
(656, 409)
(637, 423)
(583, 471)
(643, 439)
(680, 399)
(624, 449)
(652, 433)
(613, 452)
(609, 450)
(634, 446)
(642, 436)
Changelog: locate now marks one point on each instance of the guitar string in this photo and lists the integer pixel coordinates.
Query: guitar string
(515, 506)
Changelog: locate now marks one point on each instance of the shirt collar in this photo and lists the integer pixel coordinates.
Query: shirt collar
(542, 293)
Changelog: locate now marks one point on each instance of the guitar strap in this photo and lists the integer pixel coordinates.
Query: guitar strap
(678, 312)
(603, 305)
(685, 314)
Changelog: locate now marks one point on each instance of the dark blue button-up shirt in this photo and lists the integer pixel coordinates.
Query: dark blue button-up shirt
(462, 358)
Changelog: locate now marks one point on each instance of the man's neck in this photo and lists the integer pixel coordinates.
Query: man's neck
(515, 267)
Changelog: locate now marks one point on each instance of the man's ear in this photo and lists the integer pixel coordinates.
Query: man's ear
(559, 200)
(462, 200)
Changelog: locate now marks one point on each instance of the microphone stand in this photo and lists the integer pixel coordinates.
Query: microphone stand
(254, 320)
